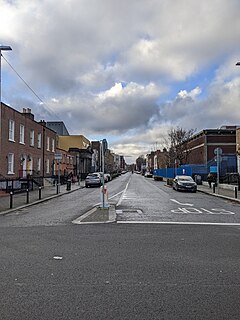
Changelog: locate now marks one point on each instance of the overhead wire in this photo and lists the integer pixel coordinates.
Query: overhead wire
(35, 94)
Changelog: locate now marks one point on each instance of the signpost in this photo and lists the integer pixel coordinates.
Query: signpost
(218, 152)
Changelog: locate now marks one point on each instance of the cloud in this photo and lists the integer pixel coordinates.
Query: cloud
(124, 68)
(114, 111)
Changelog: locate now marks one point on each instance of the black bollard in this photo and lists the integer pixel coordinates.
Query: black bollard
(11, 200)
(214, 187)
(39, 193)
(235, 192)
(27, 195)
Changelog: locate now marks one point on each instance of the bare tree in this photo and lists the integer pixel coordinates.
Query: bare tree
(179, 150)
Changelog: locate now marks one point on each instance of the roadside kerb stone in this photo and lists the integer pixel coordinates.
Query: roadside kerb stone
(97, 215)
(219, 196)
(38, 201)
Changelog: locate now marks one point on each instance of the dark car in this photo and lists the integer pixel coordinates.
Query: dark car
(185, 183)
(93, 180)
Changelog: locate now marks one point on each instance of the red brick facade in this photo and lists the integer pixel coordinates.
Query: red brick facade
(203, 144)
(27, 147)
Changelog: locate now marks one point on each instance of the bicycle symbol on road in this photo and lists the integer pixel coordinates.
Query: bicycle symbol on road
(192, 210)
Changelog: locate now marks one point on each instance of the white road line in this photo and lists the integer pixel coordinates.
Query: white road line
(183, 204)
(115, 195)
(123, 194)
(179, 222)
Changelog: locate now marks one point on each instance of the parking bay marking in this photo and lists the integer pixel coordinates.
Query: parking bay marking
(201, 210)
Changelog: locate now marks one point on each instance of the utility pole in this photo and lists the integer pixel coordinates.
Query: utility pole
(2, 48)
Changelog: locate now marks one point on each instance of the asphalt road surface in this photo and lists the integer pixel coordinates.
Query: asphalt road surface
(138, 268)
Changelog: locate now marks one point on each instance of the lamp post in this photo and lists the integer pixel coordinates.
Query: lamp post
(2, 48)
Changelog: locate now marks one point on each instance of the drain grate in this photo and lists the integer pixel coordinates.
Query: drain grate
(120, 211)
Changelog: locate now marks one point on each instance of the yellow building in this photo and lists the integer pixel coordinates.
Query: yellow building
(73, 141)
(80, 149)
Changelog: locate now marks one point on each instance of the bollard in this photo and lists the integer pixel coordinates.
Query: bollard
(11, 200)
(214, 187)
(104, 197)
(235, 192)
(39, 193)
(27, 195)
(68, 185)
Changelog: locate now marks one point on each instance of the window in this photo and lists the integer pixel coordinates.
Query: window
(10, 163)
(39, 164)
(48, 144)
(11, 130)
(32, 138)
(21, 134)
(39, 141)
(47, 166)
(53, 145)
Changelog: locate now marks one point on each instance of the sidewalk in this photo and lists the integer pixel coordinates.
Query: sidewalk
(224, 191)
(20, 199)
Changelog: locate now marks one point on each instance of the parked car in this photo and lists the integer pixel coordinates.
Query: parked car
(93, 180)
(148, 174)
(185, 183)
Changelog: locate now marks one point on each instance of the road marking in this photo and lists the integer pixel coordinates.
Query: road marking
(183, 204)
(115, 195)
(180, 222)
(201, 210)
(123, 194)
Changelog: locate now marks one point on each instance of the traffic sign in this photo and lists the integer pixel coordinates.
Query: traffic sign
(218, 150)
(57, 156)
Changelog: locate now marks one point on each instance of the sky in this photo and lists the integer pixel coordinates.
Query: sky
(127, 71)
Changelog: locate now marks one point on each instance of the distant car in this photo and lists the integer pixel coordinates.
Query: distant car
(93, 180)
(107, 177)
(184, 183)
(148, 174)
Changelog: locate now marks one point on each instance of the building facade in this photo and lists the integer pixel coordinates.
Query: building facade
(27, 147)
(202, 148)
(80, 148)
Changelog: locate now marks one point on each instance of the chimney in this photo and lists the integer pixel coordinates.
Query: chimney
(28, 113)
(42, 122)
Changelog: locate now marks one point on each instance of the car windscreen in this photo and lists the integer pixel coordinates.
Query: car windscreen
(185, 179)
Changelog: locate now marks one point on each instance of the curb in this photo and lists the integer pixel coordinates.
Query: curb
(111, 216)
(3, 213)
(220, 196)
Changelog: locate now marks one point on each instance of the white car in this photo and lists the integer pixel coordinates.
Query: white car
(93, 180)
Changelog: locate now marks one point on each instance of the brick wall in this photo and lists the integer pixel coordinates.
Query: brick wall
(25, 156)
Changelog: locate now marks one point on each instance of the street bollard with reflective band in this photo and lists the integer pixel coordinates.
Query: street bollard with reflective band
(39, 193)
(104, 197)
(214, 187)
(11, 200)
(27, 195)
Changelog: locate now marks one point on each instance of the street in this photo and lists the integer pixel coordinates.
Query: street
(142, 267)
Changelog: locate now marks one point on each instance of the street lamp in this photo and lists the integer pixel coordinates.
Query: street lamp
(238, 64)
(2, 48)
